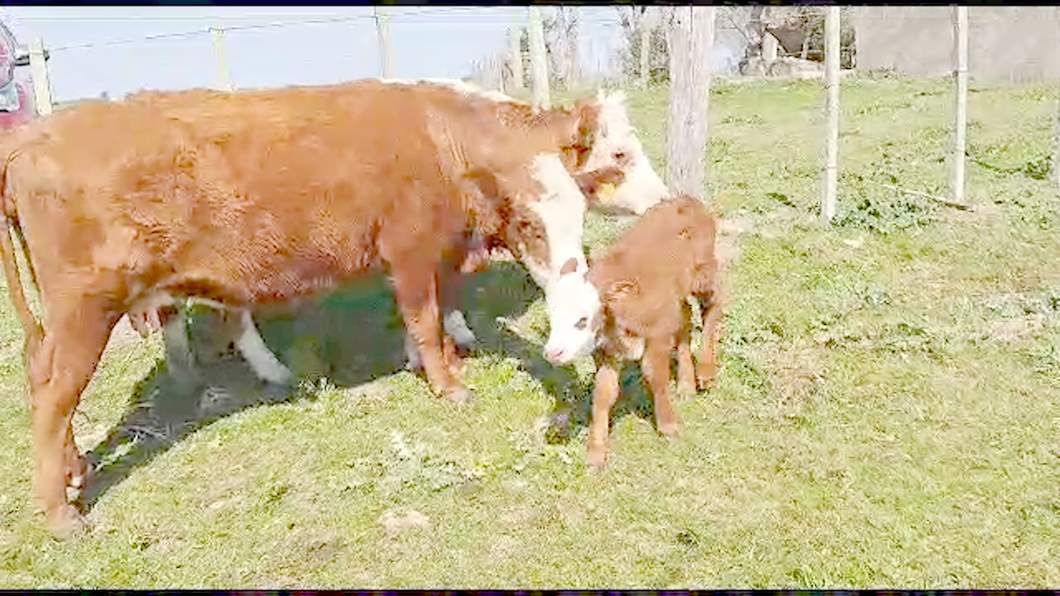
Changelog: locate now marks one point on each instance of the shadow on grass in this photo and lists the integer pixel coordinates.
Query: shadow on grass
(350, 337)
(574, 403)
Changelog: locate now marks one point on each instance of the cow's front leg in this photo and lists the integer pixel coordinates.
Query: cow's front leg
(416, 291)
(457, 340)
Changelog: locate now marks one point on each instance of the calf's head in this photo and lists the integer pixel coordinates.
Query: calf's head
(605, 140)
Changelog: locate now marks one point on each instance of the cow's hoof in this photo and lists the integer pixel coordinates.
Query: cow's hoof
(66, 522)
(459, 395)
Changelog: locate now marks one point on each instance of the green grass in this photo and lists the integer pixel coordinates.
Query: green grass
(887, 413)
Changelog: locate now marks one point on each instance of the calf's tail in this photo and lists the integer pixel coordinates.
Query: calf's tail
(9, 221)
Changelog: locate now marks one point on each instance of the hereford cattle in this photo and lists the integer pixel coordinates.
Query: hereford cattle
(644, 281)
(606, 151)
(249, 201)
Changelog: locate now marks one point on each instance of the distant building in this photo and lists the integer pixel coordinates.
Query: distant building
(1012, 44)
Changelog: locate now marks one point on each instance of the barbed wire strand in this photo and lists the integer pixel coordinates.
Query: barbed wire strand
(278, 25)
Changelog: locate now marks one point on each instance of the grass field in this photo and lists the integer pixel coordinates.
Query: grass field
(887, 413)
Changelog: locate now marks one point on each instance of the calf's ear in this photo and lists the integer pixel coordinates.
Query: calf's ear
(620, 289)
(569, 267)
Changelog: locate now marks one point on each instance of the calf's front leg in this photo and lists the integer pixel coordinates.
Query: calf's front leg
(605, 394)
(656, 368)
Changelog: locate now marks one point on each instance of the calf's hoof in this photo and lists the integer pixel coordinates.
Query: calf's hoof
(459, 395)
(705, 378)
(66, 522)
(670, 429)
(458, 369)
(596, 458)
(686, 390)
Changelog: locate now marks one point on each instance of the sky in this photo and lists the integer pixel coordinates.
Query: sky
(95, 49)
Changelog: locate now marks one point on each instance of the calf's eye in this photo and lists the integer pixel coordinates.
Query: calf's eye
(582, 322)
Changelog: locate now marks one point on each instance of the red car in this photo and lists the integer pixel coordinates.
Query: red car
(16, 92)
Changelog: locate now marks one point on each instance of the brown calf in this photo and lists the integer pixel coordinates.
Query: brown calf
(644, 281)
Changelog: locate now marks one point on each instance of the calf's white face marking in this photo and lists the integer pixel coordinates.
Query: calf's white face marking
(574, 312)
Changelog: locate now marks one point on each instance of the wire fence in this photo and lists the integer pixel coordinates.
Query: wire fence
(259, 51)
(480, 43)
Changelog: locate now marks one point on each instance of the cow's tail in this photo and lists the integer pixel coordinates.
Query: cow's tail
(9, 222)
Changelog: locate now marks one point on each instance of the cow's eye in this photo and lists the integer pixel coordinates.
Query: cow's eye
(582, 322)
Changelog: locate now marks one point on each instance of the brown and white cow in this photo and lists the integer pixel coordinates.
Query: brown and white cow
(644, 280)
(249, 201)
(606, 149)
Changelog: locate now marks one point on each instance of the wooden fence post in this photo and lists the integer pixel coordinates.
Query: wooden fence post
(574, 60)
(960, 124)
(538, 63)
(382, 30)
(690, 37)
(515, 58)
(645, 51)
(1056, 139)
(42, 87)
(224, 76)
(831, 135)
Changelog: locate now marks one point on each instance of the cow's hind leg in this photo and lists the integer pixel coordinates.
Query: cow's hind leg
(71, 349)
(416, 291)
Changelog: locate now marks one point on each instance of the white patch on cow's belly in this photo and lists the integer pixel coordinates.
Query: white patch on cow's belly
(255, 351)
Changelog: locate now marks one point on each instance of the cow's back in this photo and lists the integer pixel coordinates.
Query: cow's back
(260, 196)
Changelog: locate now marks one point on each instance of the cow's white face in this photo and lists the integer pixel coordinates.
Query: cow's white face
(616, 145)
(568, 294)
(575, 311)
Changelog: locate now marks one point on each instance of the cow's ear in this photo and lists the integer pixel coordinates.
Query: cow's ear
(587, 183)
(569, 267)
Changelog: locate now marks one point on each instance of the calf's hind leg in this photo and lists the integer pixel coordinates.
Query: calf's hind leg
(706, 367)
(69, 353)
(686, 374)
